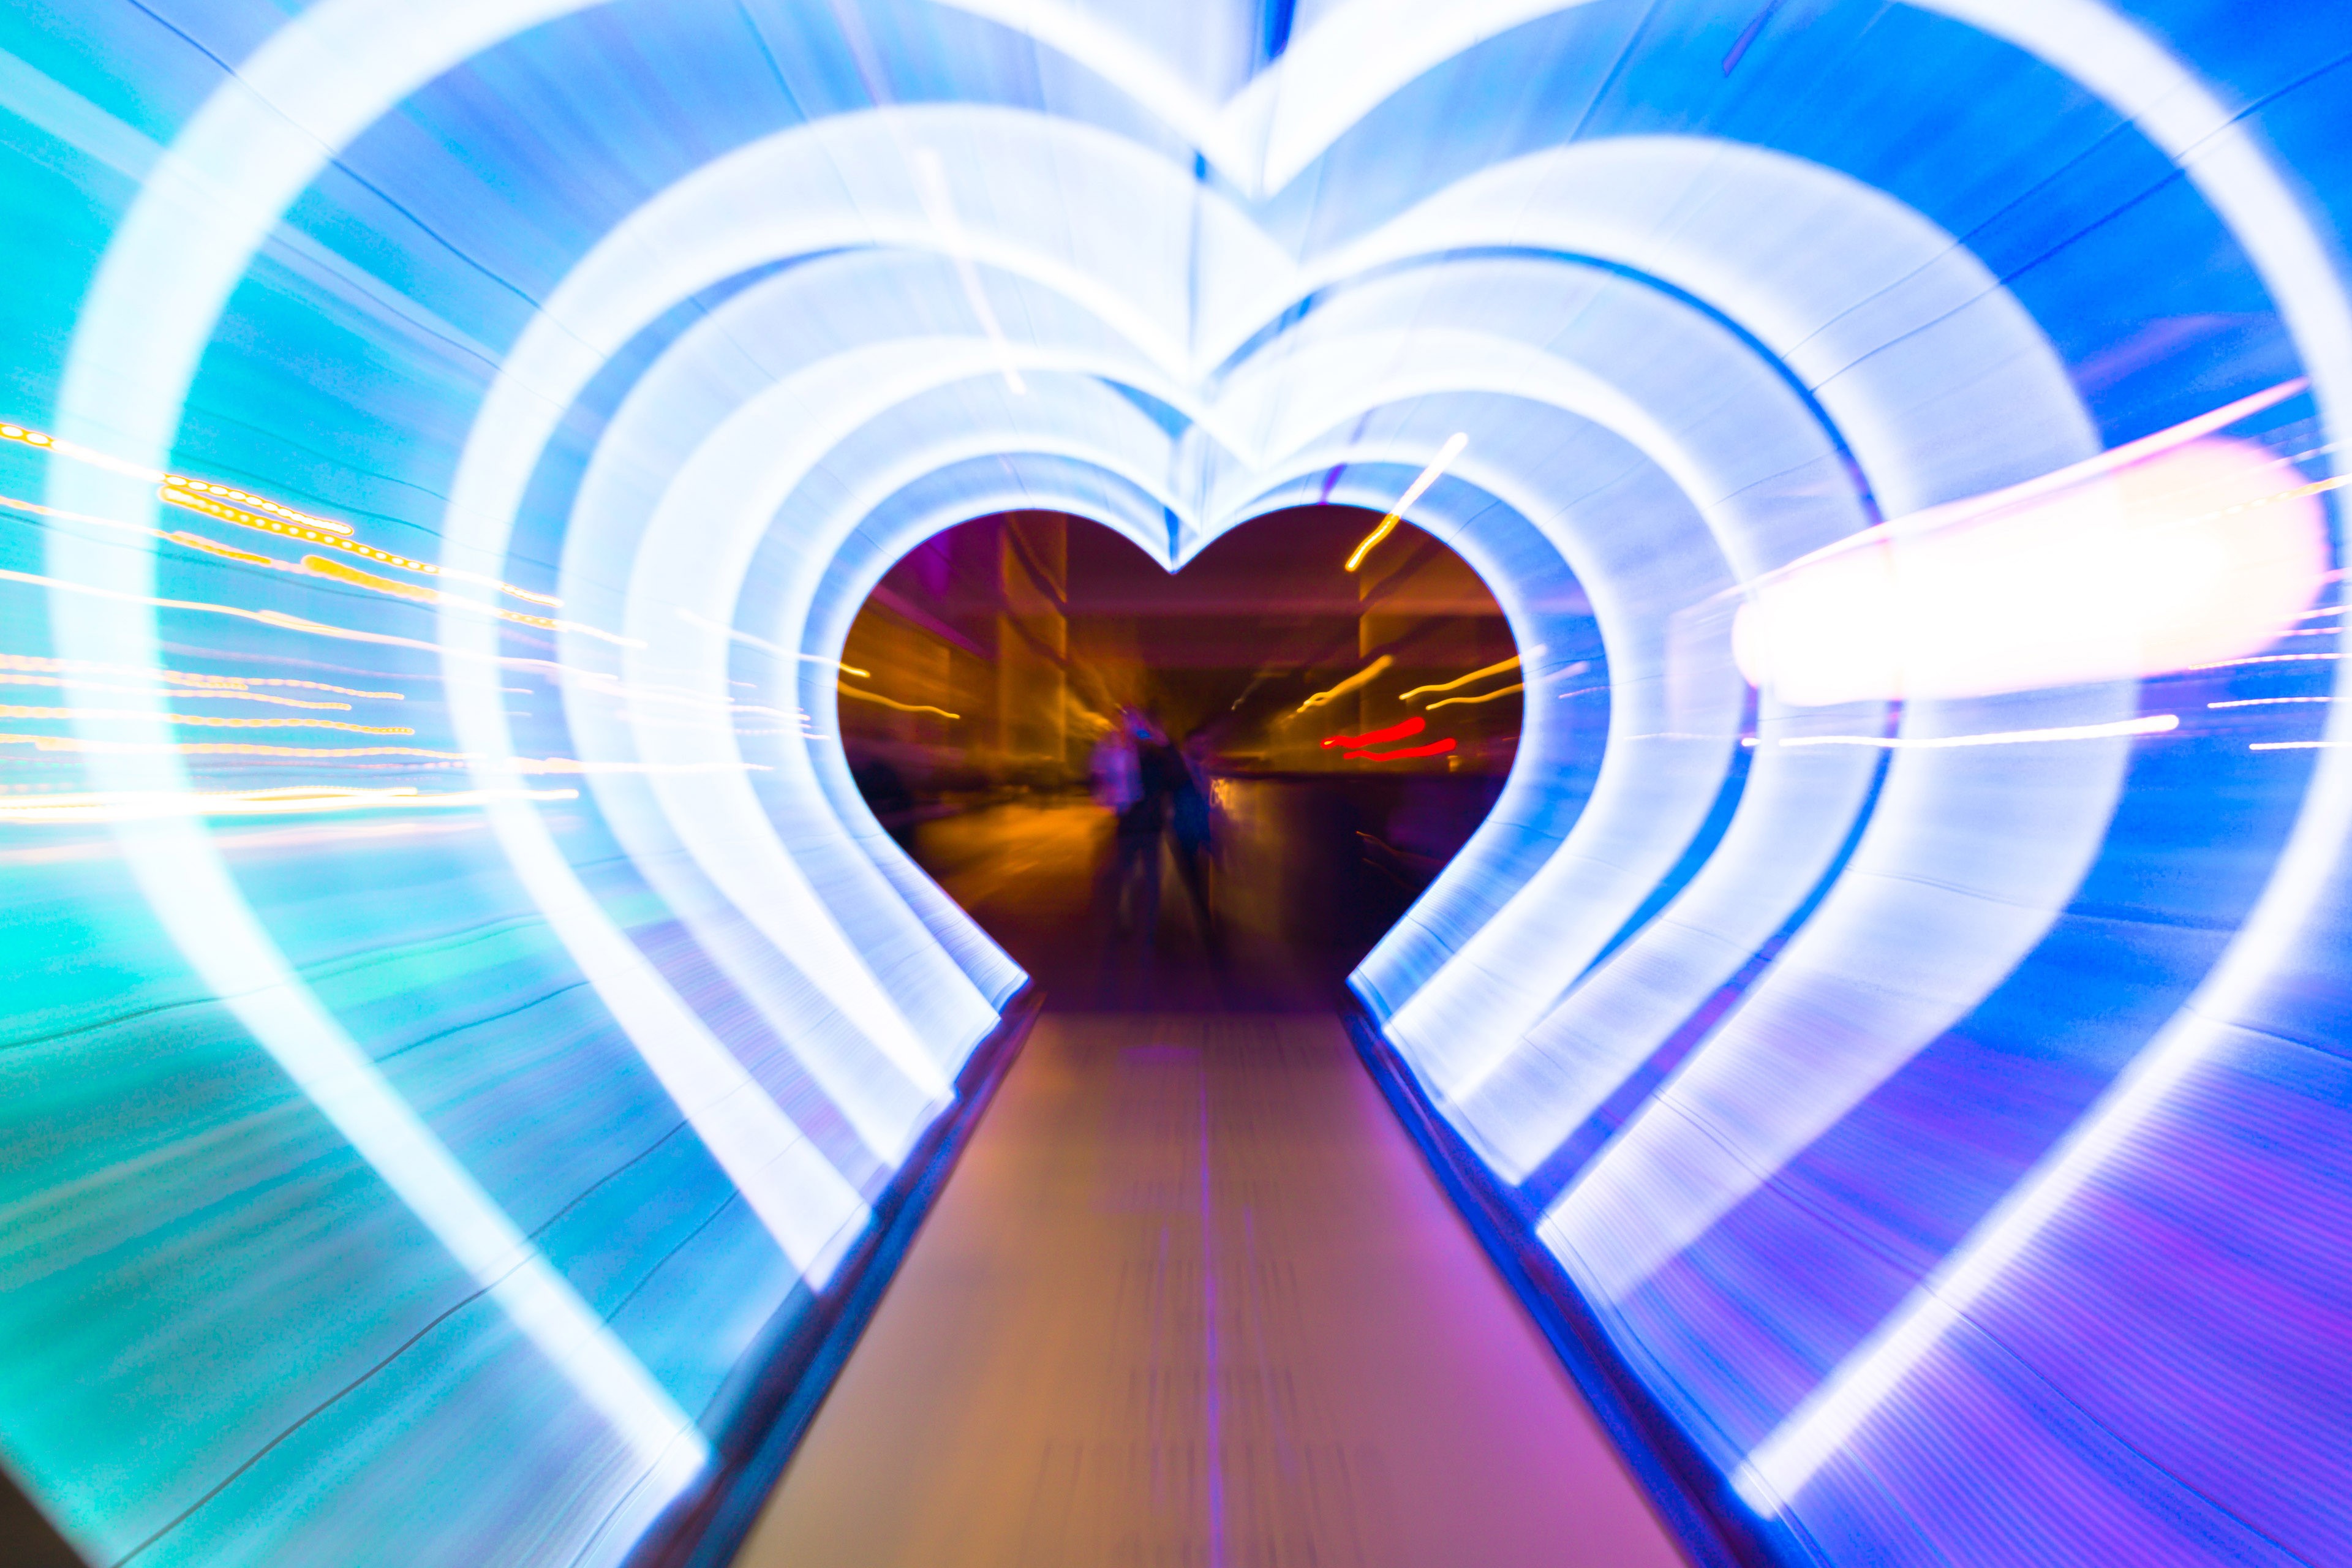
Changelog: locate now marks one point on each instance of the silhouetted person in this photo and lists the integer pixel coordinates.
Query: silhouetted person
(1191, 827)
(1135, 797)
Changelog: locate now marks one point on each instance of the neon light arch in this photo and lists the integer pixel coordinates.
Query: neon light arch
(307, 71)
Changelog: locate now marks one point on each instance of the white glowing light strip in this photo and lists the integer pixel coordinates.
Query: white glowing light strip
(764, 645)
(2265, 701)
(1429, 476)
(255, 143)
(2144, 84)
(2074, 474)
(939, 205)
(2153, 724)
(1115, 56)
(1508, 969)
(695, 548)
(121, 806)
(2268, 659)
(607, 292)
(1333, 74)
(2297, 745)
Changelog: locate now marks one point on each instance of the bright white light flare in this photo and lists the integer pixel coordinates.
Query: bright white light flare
(2203, 553)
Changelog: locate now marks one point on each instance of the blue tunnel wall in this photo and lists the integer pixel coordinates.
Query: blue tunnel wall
(462, 1017)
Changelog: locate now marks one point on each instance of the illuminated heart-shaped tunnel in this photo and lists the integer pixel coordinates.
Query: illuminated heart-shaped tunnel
(1915, 1045)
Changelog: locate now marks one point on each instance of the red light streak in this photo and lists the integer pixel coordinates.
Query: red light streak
(1414, 726)
(1435, 749)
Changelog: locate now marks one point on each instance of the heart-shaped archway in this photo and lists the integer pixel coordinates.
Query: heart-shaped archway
(1682, 362)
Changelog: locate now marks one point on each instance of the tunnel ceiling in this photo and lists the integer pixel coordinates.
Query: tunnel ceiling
(441, 1093)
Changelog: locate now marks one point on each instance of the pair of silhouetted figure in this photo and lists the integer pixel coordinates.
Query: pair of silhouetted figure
(1156, 794)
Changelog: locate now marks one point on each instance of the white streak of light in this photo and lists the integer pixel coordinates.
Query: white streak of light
(2151, 724)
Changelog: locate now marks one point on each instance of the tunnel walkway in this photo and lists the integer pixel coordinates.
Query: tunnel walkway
(1192, 1297)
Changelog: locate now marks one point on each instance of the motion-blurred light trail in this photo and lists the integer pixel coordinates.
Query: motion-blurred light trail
(40, 440)
(1460, 681)
(176, 690)
(1413, 726)
(2150, 724)
(862, 696)
(206, 721)
(1435, 749)
(1482, 697)
(228, 504)
(1331, 694)
(2183, 559)
(119, 806)
(1414, 493)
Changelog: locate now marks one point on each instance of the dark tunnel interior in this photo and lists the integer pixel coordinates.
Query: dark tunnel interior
(1001, 653)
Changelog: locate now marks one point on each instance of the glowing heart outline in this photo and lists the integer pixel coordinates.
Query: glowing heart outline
(200, 905)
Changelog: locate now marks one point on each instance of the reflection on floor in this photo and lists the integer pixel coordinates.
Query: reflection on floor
(1192, 1297)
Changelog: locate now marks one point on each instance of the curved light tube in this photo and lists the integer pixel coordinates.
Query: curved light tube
(259, 141)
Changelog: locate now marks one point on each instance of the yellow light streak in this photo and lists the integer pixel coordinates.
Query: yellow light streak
(205, 506)
(130, 805)
(1429, 476)
(214, 547)
(208, 506)
(74, 744)
(1482, 697)
(335, 571)
(320, 567)
(249, 511)
(214, 693)
(283, 530)
(890, 702)
(206, 721)
(326, 755)
(1331, 694)
(183, 677)
(548, 668)
(183, 491)
(98, 459)
(248, 508)
(1460, 681)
